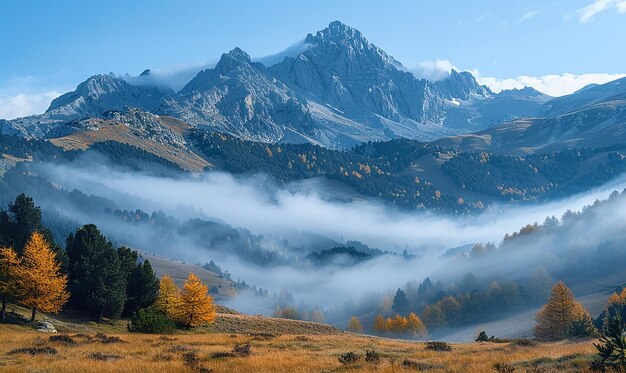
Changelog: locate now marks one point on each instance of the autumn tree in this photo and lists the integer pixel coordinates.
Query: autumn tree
(317, 315)
(9, 263)
(555, 319)
(354, 325)
(415, 326)
(168, 298)
(39, 280)
(380, 326)
(196, 305)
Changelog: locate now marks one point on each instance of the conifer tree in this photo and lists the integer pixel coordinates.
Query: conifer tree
(612, 346)
(9, 264)
(97, 282)
(168, 298)
(40, 282)
(400, 302)
(555, 319)
(354, 325)
(380, 326)
(196, 305)
(142, 287)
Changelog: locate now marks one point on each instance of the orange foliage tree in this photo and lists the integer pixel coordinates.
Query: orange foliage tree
(39, 280)
(168, 298)
(354, 325)
(556, 318)
(196, 305)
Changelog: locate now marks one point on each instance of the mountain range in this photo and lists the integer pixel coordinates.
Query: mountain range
(337, 90)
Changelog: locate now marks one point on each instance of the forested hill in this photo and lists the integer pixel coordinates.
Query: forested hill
(405, 173)
(411, 174)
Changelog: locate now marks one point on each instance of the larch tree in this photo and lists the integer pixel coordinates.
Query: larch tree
(196, 305)
(556, 318)
(354, 325)
(415, 326)
(9, 264)
(41, 284)
(168, 297)
(380, 325)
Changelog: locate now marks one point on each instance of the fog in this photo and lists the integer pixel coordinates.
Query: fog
(255, 203)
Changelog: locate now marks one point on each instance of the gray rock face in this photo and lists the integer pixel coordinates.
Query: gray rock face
(46, 327)
(339, 91)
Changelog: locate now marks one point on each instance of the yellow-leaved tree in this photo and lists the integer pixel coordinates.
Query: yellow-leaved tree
(9, 263)
(168, 298)
(380, 326)
(40, 283)
(415, 326)
(558, 315)
(196, 305)
(354, 325)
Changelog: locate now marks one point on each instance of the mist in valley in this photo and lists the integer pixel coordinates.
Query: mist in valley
(286, 225)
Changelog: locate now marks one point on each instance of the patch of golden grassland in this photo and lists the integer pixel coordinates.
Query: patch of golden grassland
(284, 353)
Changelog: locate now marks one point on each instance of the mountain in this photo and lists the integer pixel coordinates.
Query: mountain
(336, 90)
(595, 116)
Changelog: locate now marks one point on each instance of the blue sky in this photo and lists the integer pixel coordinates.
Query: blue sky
(49, 47)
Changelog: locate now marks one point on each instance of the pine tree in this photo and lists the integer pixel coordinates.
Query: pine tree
(9, 264)
(40, 282)
(380, 326)
(415, 326)
(168, 298)
(197, 308)
(142, 287)
(612, 346)
(354, 325)
(97, 282)
(555, 319)
(400, 302)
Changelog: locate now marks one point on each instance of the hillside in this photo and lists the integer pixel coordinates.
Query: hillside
(298, 350)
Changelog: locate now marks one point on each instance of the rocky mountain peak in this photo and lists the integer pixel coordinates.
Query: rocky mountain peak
(231, 60)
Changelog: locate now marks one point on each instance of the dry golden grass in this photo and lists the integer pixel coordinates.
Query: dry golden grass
(286, 353)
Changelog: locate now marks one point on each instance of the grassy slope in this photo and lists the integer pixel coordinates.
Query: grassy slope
(284, 353)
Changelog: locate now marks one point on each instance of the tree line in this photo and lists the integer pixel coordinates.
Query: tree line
(90, 274)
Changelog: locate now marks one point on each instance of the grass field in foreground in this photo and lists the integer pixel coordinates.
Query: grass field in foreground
(126, 352)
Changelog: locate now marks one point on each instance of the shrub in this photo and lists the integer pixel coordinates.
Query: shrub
(104, 357)
(62, 338)
(221, 354)
(438, 346)
(483, 337)
(34, 351)
(149, 320)
(243, 350)
(372, 356)
(348, 358)
(503, 368)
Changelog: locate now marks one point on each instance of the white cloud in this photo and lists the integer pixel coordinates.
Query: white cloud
(587, 13)
(553, 85)
(25, 104)
(527, 16)
(433, 70)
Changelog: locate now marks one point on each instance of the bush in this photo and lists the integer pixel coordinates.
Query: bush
(348, 358)
(243, 350)
(149, 320)
(503, 368)
(372, 356)
(438, 346)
